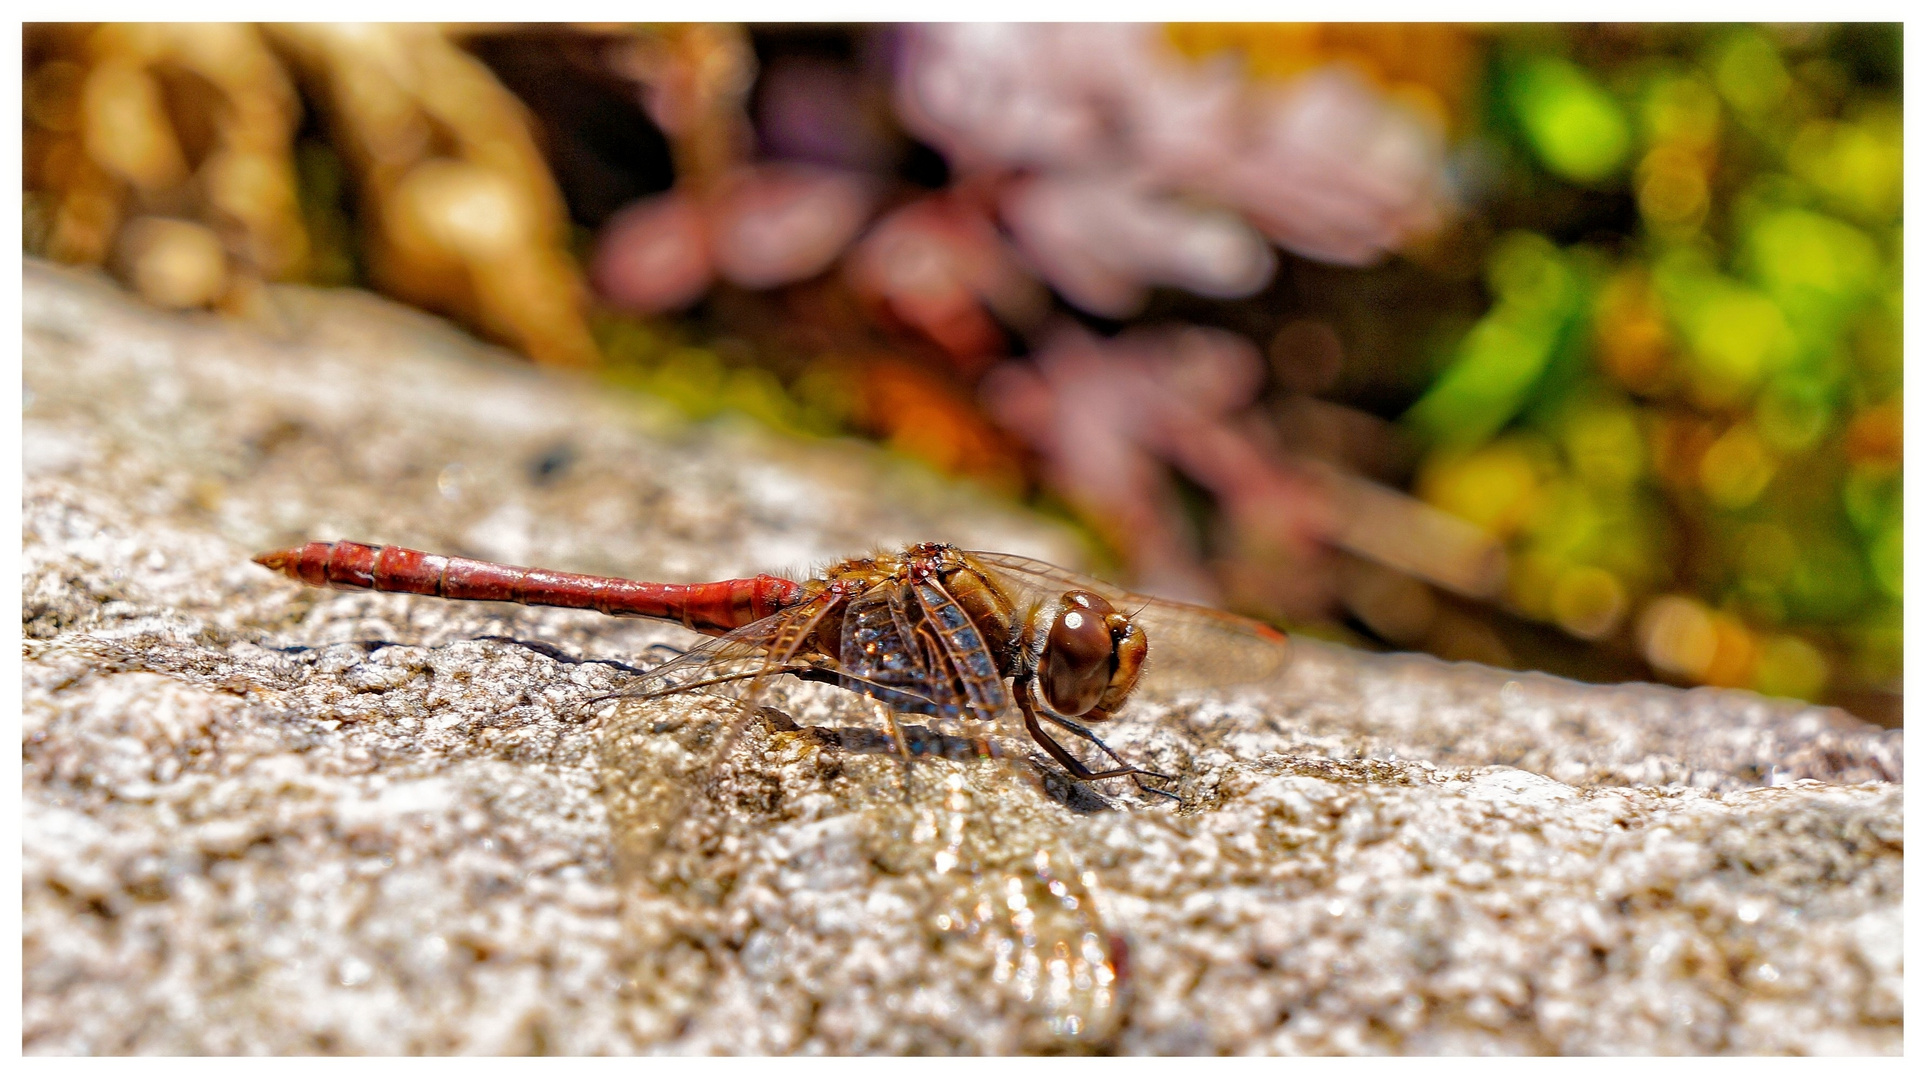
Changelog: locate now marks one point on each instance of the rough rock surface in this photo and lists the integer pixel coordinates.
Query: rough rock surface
(262, 818)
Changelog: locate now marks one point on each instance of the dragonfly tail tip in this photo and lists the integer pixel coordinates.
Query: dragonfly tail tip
(278, 560)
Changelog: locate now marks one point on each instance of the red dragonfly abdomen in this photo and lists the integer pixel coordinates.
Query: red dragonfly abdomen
(715, 607)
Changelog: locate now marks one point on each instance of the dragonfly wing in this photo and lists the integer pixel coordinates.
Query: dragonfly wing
(1194, 647)
(956, 648)
(1016, 910)
(916, 645)
(740, 662)
(967, 877)
(879, 644)
(1191, 647)
(766, 647)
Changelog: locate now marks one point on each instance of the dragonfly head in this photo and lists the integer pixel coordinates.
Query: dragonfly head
(1092, 657)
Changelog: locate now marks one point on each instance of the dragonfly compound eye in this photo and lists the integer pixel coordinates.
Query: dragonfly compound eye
(1079, 654)
(1131, 648)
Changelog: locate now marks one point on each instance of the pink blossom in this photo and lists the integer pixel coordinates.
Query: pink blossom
(1101, 238)
(653, 255)
(1334, 171)
(774, 223)
(936, 265)
(1112, 419)
(765, 225)
(1129, 146)
(994, 95)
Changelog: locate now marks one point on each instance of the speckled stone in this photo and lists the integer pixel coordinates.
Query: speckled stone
(263, 818)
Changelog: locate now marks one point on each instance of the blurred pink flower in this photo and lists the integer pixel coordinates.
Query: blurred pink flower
(1000, 95)
(936, 265)
(1332, 170)
(653, 255)
(1110, 418)
(1129, 143)
(1101, 238)
(765, 225)
(774, 223)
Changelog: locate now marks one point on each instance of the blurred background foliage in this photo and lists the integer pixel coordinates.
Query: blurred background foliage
(1572, 347)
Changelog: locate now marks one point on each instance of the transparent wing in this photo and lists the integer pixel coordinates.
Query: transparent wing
(967, 877)
(1191, 647)
(1015, 908)
(741, 658)
(956, 650)
(879, 644)
(896, 671)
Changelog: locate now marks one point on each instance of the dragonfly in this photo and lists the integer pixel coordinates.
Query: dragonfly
(932, 629)
(988, 878)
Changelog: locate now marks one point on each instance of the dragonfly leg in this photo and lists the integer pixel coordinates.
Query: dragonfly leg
(1137, 774)
(1065, 757)
(1081, 730)
(889, 717)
